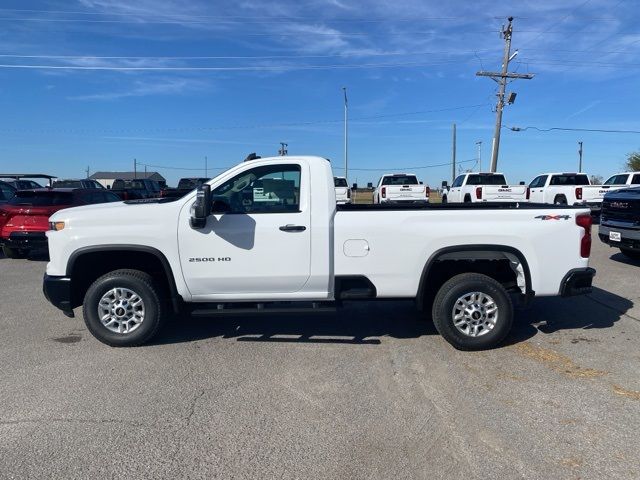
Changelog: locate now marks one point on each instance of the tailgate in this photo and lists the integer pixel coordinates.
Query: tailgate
(504, 193)
(595, 193)
(406, 192)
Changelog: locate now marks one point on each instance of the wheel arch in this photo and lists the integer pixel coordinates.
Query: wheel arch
(471, 253)
(105, 258)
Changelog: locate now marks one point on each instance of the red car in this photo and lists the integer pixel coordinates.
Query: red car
(24, 219)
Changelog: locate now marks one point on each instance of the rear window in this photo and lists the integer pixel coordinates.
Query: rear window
(67, 184)
(486, 180)
(399, 180)
(636, 179)
(340, 182)
(42, 199)
(569, 179)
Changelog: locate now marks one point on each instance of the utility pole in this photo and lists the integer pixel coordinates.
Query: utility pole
(580, 157)
(135, 168)
(206, 169)
(283, 149)
(479, 144)
(87, 170)
(346, 134)
(501, 78)
(453, 155)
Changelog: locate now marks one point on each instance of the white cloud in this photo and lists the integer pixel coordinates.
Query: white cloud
(145, 88)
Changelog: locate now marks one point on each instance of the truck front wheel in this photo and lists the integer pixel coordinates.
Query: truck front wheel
(473, 312)
(123, 309)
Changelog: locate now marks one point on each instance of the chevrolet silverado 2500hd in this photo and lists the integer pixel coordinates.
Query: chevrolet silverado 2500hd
(267, 236)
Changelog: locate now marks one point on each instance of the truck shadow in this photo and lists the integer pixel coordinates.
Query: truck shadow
(600, 309)
(367, 323)
(362, 323)
(622, 258)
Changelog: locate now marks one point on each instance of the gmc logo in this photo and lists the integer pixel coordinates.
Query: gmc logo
(619, 204)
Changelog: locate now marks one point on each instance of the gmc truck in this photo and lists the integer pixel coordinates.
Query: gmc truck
(267, 236)
(620, 221)
(483, 187)
(568, 189)
(400, 188)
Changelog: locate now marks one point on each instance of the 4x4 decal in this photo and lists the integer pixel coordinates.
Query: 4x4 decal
(553, 217)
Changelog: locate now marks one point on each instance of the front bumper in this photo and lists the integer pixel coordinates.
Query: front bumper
(629, 238)
(25, 240)
(577, 282)
(58, 291)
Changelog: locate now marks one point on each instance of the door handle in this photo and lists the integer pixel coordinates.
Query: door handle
(293, 228)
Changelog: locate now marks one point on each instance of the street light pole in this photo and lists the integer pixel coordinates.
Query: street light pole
(580, 157)
(346, 134)
(479, 144)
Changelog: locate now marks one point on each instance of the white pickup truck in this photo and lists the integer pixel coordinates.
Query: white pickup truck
(267, 236)
(568, 189)
(483, 187)
(400, 188)
(343, 192)
(625, 179)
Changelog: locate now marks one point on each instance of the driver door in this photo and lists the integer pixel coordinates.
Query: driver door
(257, 239)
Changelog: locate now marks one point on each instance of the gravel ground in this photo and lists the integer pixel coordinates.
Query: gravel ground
(373, 393)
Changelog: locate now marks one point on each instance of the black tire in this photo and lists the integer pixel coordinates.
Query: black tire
(13, 252)
(142, 284)
(632, 254)
(467, 283)
(444, 199)
(560, 200)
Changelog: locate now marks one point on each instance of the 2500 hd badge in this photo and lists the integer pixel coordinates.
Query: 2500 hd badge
(209, 259)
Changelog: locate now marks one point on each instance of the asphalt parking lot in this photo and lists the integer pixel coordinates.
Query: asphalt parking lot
(371, 393)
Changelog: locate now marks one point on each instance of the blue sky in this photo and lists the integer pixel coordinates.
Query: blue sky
(278, 72)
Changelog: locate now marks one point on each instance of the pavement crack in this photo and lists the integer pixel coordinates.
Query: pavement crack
(72, 420)
(192, 406)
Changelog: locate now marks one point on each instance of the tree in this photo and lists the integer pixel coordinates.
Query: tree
(633, 161)
(596, 179)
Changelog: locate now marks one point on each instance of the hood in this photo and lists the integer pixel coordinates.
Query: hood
(631, 193)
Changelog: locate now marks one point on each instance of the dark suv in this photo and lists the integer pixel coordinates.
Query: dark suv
(620, 221)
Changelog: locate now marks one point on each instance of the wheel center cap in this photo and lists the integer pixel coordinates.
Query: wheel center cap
(476, 315)
(120, 311)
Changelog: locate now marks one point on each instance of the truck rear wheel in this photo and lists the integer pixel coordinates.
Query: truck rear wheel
(560, 200)
(473, 312)
(123, 309)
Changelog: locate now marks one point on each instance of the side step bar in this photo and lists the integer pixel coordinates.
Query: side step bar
(230, 309)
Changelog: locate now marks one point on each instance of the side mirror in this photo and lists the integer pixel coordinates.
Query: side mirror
(355, 186)
(522, 183)
(444, 184)
(421, 183)
(201, 209)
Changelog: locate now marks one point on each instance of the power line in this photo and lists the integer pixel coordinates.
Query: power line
(596, 130)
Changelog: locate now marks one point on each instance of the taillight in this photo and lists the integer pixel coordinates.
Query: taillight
(427, 192)
(125, 196)
(479, 193)
(528, 193)
(579, 193)
(384, 192)
(585, 221)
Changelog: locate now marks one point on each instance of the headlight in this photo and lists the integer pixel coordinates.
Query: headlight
(57, 226)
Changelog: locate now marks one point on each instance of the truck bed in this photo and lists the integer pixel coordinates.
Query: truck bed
(365, 207)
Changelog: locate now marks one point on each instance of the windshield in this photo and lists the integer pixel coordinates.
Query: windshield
(42, 199)
(340, 182)
(486, 180)
(400, 180)
(569, 179)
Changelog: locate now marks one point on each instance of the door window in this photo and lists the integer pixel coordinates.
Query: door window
(458, 181)
(264, 189)
(538, 182)
(617, 180)
(636, 179)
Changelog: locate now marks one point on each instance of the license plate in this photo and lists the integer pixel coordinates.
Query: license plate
(615, 236)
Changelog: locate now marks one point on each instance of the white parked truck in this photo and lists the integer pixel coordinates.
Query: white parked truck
(267, 236)
(625, 179)
(343, 192)
(568, 189)
(483, 187)
(400, 188)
